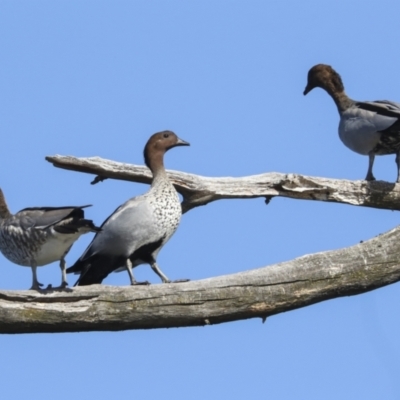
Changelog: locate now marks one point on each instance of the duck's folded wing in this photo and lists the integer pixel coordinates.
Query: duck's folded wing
(128, 223)
(44, 217)
(382, 107)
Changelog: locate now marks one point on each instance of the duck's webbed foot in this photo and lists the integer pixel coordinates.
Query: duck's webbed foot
(370, 178)
(36, 286)
(143, 283)
(64, 285)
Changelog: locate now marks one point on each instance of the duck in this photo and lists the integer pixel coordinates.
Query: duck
(368, 128)
(137, 230)
(38, 236)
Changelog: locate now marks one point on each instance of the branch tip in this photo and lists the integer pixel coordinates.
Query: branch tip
(97, 179)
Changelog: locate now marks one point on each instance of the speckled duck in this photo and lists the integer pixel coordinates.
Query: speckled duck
(137, 230)
(366, 127)
(34, 237)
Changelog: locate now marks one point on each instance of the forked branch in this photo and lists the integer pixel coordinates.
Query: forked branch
(257, 293)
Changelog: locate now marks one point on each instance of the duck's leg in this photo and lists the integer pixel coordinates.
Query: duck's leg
(128, 266)
(370, 175)
(398, 166)
(64, 282)
(36, 285)
(158, 271)
(63, 267)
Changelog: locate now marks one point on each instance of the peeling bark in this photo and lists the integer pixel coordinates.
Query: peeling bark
(256, 293)
(199, 190)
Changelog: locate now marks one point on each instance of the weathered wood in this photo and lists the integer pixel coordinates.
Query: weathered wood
(257, 293)
(199, 190)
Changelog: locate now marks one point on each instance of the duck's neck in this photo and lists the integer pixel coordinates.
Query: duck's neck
(156, 165)
(4, 211)
(342, 101)
(158, 177)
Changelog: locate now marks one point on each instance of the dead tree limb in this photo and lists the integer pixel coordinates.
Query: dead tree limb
(199, 190)
(257, 293)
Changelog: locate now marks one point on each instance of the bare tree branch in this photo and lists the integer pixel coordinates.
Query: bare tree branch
(257, 293)
(198, 190)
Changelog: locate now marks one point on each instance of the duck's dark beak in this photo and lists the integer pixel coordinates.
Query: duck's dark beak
(307, 89)
(181, 142)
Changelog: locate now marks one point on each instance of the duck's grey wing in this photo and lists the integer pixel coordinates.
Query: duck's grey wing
(123, 231)
(90, 251)
(363, 125)
(383, 108)
(96, 244)
(44, 217)
(386, 120)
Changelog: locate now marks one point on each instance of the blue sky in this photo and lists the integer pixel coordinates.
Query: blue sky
(97, 78)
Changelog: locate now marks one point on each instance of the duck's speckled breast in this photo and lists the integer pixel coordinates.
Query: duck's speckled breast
(19, 245)
(166, 206)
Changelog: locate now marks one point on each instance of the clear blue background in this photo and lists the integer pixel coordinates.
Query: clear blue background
(97, 78)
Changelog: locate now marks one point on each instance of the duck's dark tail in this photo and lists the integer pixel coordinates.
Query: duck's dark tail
(94, 269)
(75, 222)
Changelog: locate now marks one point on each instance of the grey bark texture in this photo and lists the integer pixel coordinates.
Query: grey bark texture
(257, 293)
(199, 190)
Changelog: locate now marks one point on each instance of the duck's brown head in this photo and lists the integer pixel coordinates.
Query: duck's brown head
(157, 145)
(325, 77)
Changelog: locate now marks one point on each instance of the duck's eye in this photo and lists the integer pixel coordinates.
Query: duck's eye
(166, 135)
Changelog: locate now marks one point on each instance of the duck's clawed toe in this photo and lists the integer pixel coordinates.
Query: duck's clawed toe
(36, 286)
(63, 285)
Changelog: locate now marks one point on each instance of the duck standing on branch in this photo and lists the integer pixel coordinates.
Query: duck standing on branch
(369, 128)
(39, 236)
(137, 230)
